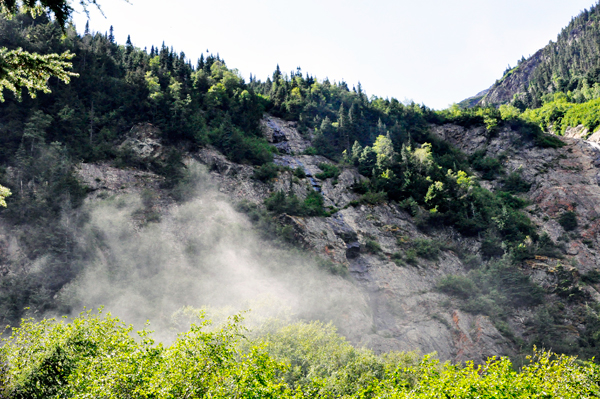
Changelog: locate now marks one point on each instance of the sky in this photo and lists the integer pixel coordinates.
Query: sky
(434, 52)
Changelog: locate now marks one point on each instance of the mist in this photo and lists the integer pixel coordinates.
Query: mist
(200, 253)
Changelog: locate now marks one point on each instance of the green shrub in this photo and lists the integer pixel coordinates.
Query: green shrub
(397, 257)
(548, 141)
(372, 246)
(489, 167)
(266, 172)
(459, 286)
(410, 256)
(299, 172)
(426, 249)
(491, 248)
(331, 267)
(546, 247)
(371, 198)
(97, 356)
(591, 277)
(568, 220)
(280, 202)
(329, 171)
(514, 183)
(310, 151)
(313, 204)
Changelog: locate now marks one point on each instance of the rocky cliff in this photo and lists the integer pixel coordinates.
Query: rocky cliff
(513, 83)
(396, 304)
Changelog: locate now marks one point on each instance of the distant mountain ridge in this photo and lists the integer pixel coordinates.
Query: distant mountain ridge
(569, 64)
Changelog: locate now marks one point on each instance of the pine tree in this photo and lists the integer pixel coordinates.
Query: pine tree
(111, 35)
(277, 74)
(344, 128)
(200, 63)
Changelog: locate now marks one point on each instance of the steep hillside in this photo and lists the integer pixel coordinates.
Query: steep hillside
(570, 64)
(149, 184)
(414, 303)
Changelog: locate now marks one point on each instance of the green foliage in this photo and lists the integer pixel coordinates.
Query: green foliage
(266, 172)
(456, 285)
(119, 86)
(280, 202)
(569, 66)
(310, 151)
(491, 248)
(568, 220)
(372, 198)
(514, 183)
(299, 173)
(566, 286)
(490, 167)
(20, 69)
(329, 171)
(373, 246)
(489, 117)
(548, 141)
(96, 356)
(426, 249)
(591, 277)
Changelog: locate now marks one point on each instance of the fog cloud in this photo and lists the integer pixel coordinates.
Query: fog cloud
(201, 252)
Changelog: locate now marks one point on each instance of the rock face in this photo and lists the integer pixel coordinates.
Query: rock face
(284, 135)
(504, 90)
(577, 132)
(144, 141)
(405, 311)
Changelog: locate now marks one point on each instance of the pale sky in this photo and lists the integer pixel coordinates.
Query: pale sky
(435, 52)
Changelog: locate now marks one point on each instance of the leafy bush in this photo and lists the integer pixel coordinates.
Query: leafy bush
(546, 247)
(548, 141)
(490, 167)
(568, 220)
(299, 172)
(410, 256)
(372, 246)
(280, 202)
(329, 171)
(266, 172)
(455, 285)
(591, 277)
(491, 248)
(514, 183)
(426, 249)
(371, 198)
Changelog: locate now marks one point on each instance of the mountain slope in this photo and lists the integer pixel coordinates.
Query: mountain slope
(571, 63)
(410, 229)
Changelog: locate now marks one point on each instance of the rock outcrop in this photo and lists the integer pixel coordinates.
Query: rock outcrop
(405, 310)
(408, 313)
(514, 83)
(143, 140)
